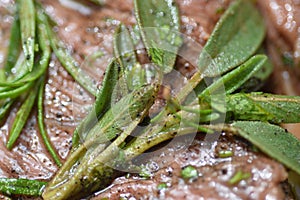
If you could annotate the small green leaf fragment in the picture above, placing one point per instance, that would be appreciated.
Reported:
(162, 186)
(189, 172)
(225, 153)
(145, 173)
(238, 176)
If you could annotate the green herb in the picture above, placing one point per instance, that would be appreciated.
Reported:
(26, 12)
(99, 2)
(21, 187)
(14, 92)
(14, 44)
(40, 68)
(162, 186)
(258, 79)
(273, 140)
(108, 145)
(225, 154)
(42, 126)
(159, 24)
(101, 105)
(145, 173)
(124, 52)
(287, 59)
(238, 176)
(237, 35)
(189, 172)
(69, 62)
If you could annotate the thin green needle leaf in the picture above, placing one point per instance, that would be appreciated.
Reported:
(42, 126)
(101, 105)
(159, 24)
(21, 186)
(41, 66)
(272, 140)
(123, 47)
(69, 63)
(26, 12)
(21, 117)
(14, 92)
(237, 36)
(263, 107)
(14, 44)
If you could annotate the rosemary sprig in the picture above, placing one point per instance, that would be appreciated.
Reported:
(31, 26)
(26, 12)
(108, 144)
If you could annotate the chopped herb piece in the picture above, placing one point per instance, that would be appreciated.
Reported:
(189, 172)
(225, 153)
(162, 186)
(145, 173)
(238, 176)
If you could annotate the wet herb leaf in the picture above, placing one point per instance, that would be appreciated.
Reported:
(101, 105)
(133, 75)
(234, 79)
(272, 140)
(263, 107)
(237, 35)
(14, 44)
(21, 186)
(27, 21)
(159, 24)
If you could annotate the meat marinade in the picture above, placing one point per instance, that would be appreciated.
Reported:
(89, 28)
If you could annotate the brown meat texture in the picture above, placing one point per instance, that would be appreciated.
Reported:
(87, 29)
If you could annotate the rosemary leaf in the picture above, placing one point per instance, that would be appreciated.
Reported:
(27, 21)
(21, 118)
(159, 24)
(42, 126)
(273, 140)
(237, 35)
(69, 63)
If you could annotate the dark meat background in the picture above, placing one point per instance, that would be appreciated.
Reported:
(66, 103)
